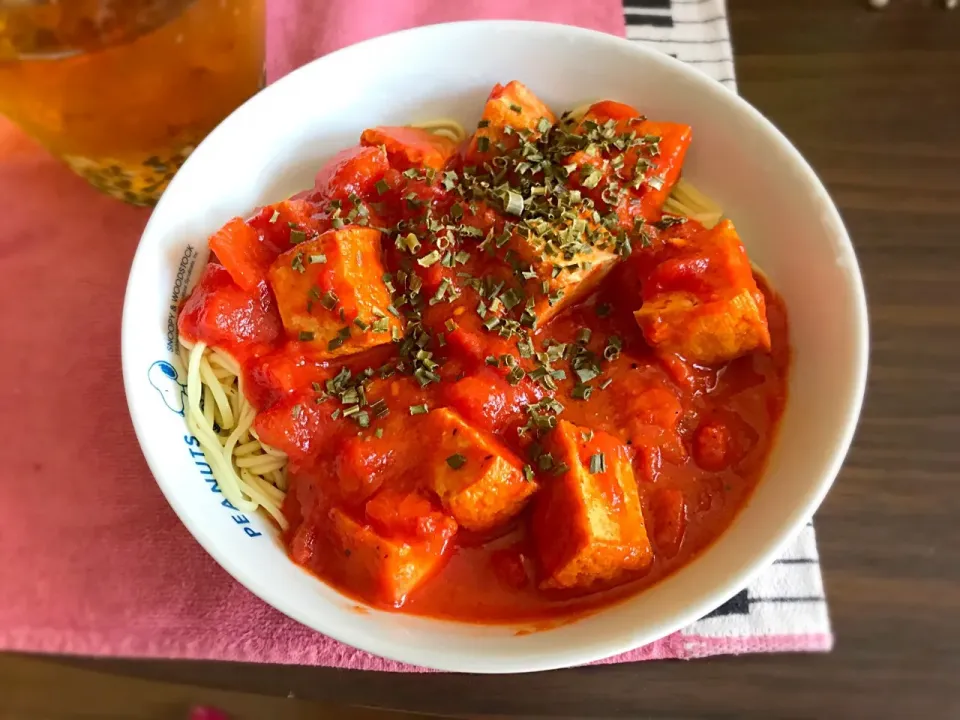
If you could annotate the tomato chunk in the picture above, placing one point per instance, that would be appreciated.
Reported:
(221, 314)
(409, 147)
(511, 106)
(239, 248)
(276, 224)
(298, 426)
(354, 171)
(489, 402)
(649, 166)
(669, 521)
(408, 515)
(722, 440)
(510, 568)
(282, 372)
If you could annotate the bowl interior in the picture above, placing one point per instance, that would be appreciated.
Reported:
(272, 146)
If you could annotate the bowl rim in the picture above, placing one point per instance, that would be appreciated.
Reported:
(583, 653)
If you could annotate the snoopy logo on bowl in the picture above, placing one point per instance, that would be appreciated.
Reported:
(165, 377)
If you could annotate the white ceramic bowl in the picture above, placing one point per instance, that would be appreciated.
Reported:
(272, 146)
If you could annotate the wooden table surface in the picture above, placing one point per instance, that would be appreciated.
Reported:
(873, 101)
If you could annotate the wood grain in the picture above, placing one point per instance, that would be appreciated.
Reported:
(873, 101)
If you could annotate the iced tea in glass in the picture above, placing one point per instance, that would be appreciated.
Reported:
(123, 90)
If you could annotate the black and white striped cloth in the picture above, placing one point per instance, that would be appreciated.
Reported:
(784, 609)
(695, 31)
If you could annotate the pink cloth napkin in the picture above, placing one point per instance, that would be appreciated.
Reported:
(95, 561)
(301, 30)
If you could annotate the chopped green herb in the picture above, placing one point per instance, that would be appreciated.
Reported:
(382, 187)
(297, 263)
(545, 461)
(598, 463)
(612, 350)
(429, 259)
(380, 409)
(378, 432)
(305, 336)
(329, 299)
(669, 221)
(297, 237)
(513, 203)
(275, 216)
(295, 411)
(342, 335)
(456, 461)
(587, 373)
(590, 176)
(318, 258)
(419, 409)
(515, 375)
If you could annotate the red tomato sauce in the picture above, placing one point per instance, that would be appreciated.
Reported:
(427, 470)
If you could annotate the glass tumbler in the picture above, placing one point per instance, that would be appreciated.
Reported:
(123, 90)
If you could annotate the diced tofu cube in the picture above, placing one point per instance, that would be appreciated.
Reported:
(409, 147)
(703, 303)
(478, 480)
(331, 293)
(570, 269)
(383, 569)
(511, 106)
(708, 332)
(588, 525)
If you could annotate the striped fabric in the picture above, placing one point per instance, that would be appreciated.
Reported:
(784, 609)
(695, 31)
